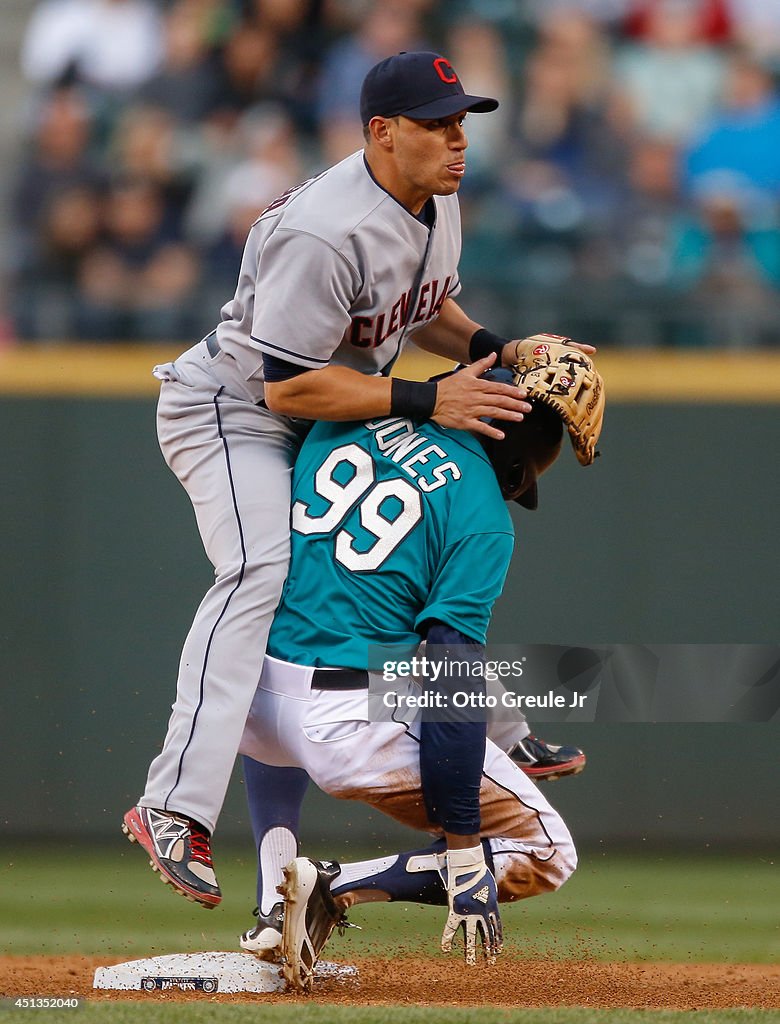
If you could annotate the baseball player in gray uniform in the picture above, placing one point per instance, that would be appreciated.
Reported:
(337, 275)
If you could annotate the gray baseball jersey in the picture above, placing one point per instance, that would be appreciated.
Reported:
(336, 270)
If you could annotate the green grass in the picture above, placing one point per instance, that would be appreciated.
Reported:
(107, 902)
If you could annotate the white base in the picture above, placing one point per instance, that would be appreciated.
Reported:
(205, 972)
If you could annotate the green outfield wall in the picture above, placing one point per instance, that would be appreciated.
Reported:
(671, 537)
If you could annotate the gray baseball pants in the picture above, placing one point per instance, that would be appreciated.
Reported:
(234, 458)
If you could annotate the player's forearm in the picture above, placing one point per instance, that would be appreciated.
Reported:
(333, 393)
(456, 842)
(449, 334)
(452, 748)
(451, 760)
(452, 336)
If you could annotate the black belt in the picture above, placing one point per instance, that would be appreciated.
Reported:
(339, 679)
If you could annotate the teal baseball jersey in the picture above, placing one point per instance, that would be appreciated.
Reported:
(392, 525)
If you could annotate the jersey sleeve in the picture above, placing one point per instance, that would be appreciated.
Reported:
(452, 751)
(469, 579)
(305, 290)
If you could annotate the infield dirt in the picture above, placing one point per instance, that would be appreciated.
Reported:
(422, 982)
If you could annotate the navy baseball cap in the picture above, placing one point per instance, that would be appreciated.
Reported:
(419, 85)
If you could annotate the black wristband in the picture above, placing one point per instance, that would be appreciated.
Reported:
(483, 342)
(411, 398)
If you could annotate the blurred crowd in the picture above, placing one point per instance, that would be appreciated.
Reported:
(634, 162)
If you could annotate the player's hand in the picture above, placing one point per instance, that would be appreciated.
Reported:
(472, 899)
(509, 351)
(463, 400)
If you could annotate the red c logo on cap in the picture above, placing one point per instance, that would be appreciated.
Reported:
(442, 66)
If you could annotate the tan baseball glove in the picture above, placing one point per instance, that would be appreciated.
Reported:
(566, 380)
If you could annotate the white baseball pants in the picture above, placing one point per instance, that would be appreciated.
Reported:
(328, 734)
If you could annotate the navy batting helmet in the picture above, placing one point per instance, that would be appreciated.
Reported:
(528, 449)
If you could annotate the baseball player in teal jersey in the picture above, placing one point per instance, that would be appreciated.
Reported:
(399, 532)
(382, 521)
(336, 276)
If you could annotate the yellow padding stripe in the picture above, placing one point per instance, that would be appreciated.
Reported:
(652, 376)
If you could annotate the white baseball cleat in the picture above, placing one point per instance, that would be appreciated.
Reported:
(265, 938)
(310, 915)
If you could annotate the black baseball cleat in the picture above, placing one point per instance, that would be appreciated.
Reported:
(180, 850)
(265, 938)
(541, 760)
(310, 915)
